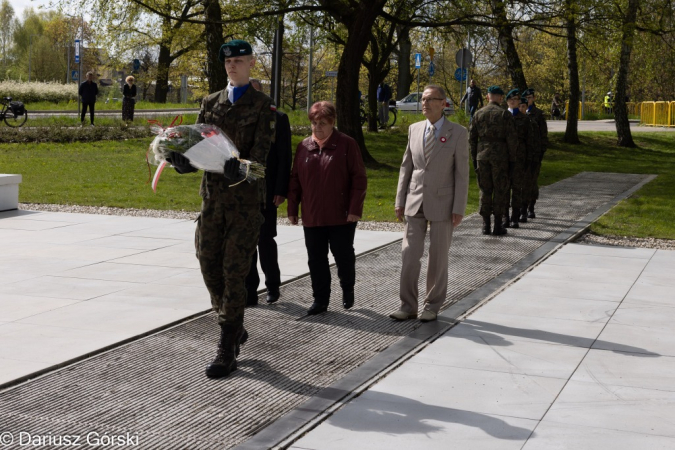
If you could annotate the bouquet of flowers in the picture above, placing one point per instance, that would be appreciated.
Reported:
(205, 146)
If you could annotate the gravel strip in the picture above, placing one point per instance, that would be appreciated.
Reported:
(625, 241)
(172, 214)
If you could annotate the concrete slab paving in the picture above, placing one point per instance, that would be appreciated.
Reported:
(594, 372)
(104, 279)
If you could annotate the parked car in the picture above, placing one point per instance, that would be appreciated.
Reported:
(411, 103)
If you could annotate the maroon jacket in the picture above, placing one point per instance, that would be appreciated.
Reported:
(330, 182)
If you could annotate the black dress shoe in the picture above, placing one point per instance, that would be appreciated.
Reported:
(252, 301)
(272, 296)
(348, 299)
(317, 308)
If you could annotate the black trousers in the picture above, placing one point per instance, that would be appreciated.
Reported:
(91, 111)
(269, 256)
(340, 240)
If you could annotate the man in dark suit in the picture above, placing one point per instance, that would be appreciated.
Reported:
(278, 170)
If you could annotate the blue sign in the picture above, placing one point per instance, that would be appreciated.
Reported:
(432, 69)
(74, 74)
(77, 51)
(418, 60)
(136, 65)
(460, 74)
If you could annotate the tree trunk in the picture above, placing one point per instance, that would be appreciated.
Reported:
(373, 106)
(162, 80)
(625, 138)
(571, 131)
(215, 71)
(405, 75)
(505, 32)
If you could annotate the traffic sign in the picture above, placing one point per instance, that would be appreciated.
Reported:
(136, 65)
(331, 73)
(77, 51)
(460, 74)
(432, 68)
(463, 57)
(74, 74)
(418, 60)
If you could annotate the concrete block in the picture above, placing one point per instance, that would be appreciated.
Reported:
(9, 191)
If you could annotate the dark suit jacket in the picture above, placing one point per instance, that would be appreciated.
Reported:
(279, 161)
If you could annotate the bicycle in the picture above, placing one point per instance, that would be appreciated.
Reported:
(13, 113)
(391, 116)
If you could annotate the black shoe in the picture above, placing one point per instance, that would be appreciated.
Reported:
(272, 296)
(487, 225)
(317, 308)
(348, 299)
(505, 222)
(531, 214)
(252, 301)
(523, 215)
(514, 218)
(499, 230)
(231, 337)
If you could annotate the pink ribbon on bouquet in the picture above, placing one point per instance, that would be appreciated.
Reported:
(163, 164)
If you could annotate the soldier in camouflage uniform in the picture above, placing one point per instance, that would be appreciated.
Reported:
(538, 116)
(230, 219)
(493, 142)
(525, 131)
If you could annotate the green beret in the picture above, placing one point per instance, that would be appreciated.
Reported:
(495, 90)
(513, 93)
(233, 48)
(528, 91)
(523, 101)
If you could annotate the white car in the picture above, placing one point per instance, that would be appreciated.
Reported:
(411, 103)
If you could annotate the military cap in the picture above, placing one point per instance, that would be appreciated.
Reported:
(233, 48)
(528, 91)
(495, 90)
(523, 101)
(513, 93)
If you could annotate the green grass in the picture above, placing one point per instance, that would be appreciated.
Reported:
(102, 105)
(99, 120)
(115, 174)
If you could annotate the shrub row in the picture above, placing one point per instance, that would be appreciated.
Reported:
(38, 92)
(66, 135)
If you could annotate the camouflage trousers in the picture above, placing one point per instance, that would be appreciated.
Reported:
(225, 239)
(532, 181)
(493, 181)
(519, 186)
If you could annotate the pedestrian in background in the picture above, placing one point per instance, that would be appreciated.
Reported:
(277, 175)
(433, 187)
(555, 107)
(88, 92)
(493, 141)
(328, 181)
(474, 96)
(129, 99)
(383, 97)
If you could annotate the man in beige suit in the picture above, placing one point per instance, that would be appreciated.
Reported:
(433, 186)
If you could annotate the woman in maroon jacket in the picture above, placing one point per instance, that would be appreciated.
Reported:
(329, 180)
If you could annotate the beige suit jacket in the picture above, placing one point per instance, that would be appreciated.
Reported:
(442, 182)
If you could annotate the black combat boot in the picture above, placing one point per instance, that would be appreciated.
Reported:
(499, 230)
(348, 298)
(228, 347)
(505, 221)
(487, 225)
(530, 208)
(514, 218)
(523, 215)
(272, 296)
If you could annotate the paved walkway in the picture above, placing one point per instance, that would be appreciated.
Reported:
(71, 284)
(578, 354)
(602, 125)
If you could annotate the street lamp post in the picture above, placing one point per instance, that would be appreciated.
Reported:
(30, 52)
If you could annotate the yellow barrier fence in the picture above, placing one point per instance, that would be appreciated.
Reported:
(657, 114)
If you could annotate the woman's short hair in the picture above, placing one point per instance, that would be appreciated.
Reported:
(90, 73)
(322, 110)
(130, 78)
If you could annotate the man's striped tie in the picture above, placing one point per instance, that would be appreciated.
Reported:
(429, 142)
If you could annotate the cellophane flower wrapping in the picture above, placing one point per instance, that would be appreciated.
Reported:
(206, 146)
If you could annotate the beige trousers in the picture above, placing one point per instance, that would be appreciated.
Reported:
(440, 235)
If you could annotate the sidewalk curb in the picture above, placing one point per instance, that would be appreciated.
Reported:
(283, 432)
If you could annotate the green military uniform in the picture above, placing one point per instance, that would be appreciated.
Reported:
(538, 117)
(493, 142)
(527, 142)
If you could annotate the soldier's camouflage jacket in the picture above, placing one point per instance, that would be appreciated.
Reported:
(528, 142)
(538, 116)
(492, 134)
(249, 123)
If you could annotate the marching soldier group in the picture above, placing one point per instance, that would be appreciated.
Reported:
(507, 147)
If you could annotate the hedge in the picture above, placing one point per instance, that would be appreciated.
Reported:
(71, 134)
(38, 92)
